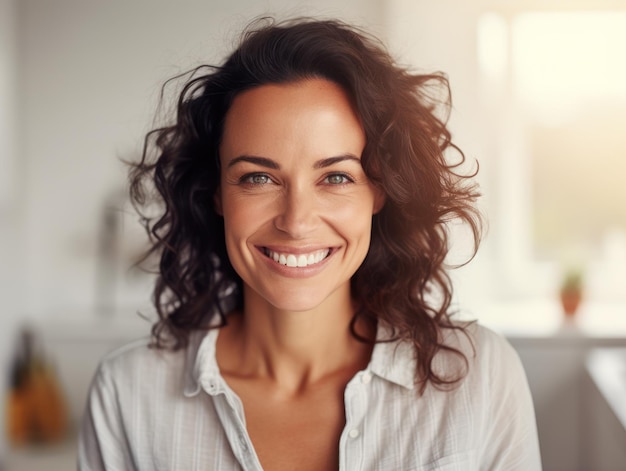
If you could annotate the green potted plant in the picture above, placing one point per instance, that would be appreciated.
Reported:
(571, 291)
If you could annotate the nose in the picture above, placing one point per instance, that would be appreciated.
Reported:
(298, 215)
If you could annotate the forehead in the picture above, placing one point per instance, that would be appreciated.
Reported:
(313, 115)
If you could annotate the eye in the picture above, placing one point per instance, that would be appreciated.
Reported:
(338, 179)
(255, 179)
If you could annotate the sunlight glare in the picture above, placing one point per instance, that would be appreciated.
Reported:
(564, 60)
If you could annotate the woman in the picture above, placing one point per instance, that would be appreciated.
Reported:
(304, 309)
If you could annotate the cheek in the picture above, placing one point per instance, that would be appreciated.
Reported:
(243, 214)
(236, 233)
(354, 221)
(244, 218)
(236, 228)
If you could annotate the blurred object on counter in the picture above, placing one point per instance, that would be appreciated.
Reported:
(571, 291)
(35, 407)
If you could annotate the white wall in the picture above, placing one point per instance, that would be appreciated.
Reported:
(9, 195)
(441, 36)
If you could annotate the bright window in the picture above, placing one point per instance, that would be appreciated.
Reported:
(555, 85)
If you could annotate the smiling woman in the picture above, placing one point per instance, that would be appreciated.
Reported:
(304, 305)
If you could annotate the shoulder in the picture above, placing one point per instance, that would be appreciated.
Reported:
(494, 355)
(489, 409)
(497, 389)
(129, 355)
(487, 340)
(469, 355)
(482, 358)
(480, 345)
(137, 363)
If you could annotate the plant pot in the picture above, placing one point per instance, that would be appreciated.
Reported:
(570, 300)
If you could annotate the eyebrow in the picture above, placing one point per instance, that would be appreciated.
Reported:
(333, 160)
(269, 163)
(261, 161)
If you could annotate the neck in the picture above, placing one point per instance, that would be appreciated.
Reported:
(294, 349)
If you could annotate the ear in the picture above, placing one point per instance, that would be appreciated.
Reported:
(379, 200)
(217, 201)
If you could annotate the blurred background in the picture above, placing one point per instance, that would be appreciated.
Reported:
(539, 95)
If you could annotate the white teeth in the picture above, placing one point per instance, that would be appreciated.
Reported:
(302, 260)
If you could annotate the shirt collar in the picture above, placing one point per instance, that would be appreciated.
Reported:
(200, 360)
(392, 360)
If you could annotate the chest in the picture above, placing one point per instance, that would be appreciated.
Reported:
(302, 436)
(300, 432)
(369, 426)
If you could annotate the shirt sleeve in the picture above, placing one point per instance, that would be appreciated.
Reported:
(512, 443)
(102, 443)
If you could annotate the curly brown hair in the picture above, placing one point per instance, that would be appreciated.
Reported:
(403, 280)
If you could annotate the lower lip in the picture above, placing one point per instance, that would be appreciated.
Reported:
(296, 272)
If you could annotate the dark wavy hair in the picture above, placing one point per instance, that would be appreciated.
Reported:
(403, 280)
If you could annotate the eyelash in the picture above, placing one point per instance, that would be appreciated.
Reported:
(248, 179)
(346, 179)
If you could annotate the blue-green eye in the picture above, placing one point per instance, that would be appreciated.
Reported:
(337, 179)
(255, 179)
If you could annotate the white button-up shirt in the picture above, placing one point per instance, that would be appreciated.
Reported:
(153, 409)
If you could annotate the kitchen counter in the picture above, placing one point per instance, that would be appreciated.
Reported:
(604, 434)
(607, 369)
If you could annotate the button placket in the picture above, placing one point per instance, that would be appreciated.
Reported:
(243, 441)
(248, 459)
(231, 415)
(358, 399)
(356, 405)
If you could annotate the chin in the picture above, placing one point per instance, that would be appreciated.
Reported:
(292, 299)
(302, 304)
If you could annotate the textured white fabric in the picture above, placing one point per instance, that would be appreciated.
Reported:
(157, 410)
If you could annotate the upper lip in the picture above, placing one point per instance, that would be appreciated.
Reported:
(295, 250)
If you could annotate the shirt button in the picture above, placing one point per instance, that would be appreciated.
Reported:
(353, 433)
(366, 377)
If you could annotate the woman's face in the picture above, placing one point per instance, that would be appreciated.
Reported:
(296, 202)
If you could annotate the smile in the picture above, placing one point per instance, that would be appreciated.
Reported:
(299, 260)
